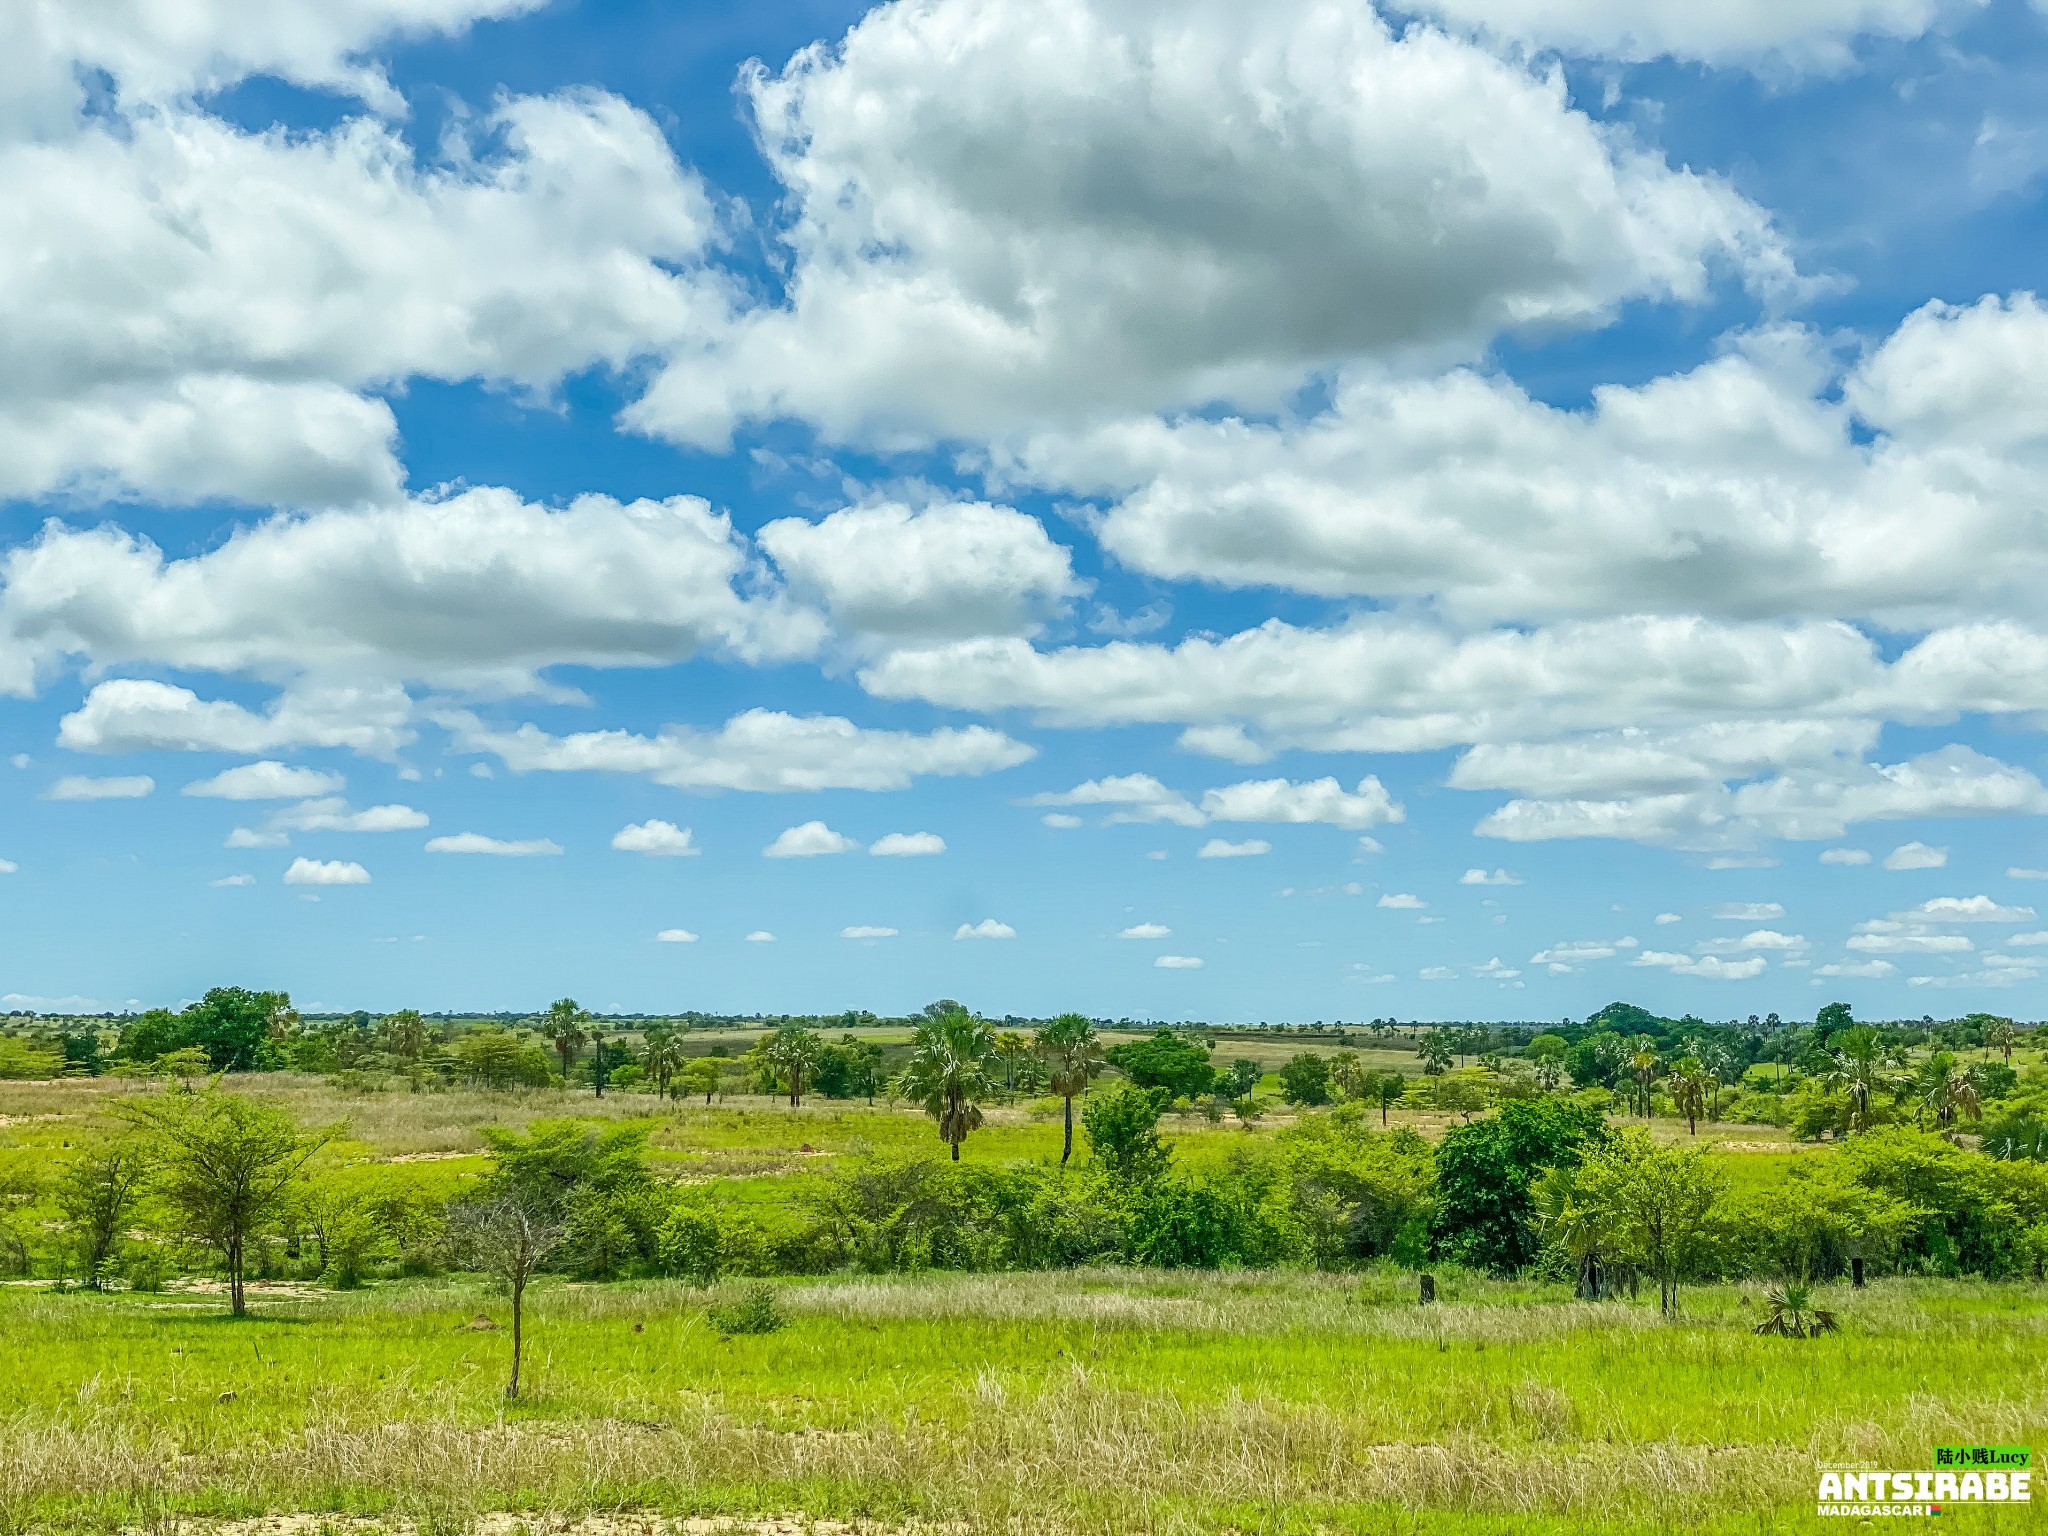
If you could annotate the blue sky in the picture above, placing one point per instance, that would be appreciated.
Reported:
(1271, 512)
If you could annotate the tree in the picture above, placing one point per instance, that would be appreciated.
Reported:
(405, 1034)
(1122, 1126)
(1244, 1075)
(1165, 1060)
(223, 1164)
(1948, 1090)
(1011, 1048)
(232, 1025)
(794, 1052)
(1485, 1215)
(1856, 1067)
(1072, 1053)
(507, 1235)
(1385, 1089)
(1435, 1052)
(700, 1075)
(2001, 1035)
(97, 1194)
(1655, 1204)
(1642, 1064)
(664, 1059)
(1830, 1021)
(565, 1024)
(1347, 1074)
(948, 1072)
(1306, 1079)
(1689, 1092)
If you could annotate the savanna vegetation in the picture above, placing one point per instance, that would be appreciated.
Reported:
(1041, 1275)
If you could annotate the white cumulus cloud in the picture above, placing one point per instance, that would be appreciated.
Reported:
(809, 841)
(267, 781)
(476, 842)
(987, 928)
(663, 839)
(907, 845)
(326, 872)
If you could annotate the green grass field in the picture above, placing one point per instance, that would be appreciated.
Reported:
(1103, 1401)
(1094, 1401)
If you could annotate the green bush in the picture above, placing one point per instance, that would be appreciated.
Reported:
(754, 1311)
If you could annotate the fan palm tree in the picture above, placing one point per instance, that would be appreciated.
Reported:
(1072, 1053)
(664, 1059)
(1793, 1314)
(1947, 1091)
(565, 1023)
(1011, 1048)
(2002, 1036)
(795, 1052)
(1435, 1052)
(1688, 1082)
(949, 1072)
(1856, 1067)
(1642, 1062)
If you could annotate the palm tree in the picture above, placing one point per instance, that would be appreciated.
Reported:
(1715, 1057)
(1435, 1052)
(1793, 1314)
(664, 1059)
(564, 1023)
(2002, 1035)
(1856, 1066)
(1011, 1048)
(949, 1071)
(1387, 1088)
(1643, 1062)
(1689, 1092)
(795, 1050)
(1947, 1090)
(1073, 1054)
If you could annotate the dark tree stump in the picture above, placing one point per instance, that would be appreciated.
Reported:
(1427, 1290)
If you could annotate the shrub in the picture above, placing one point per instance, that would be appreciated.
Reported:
(754, 1311)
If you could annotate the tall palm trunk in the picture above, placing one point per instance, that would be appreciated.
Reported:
(1067, 1146)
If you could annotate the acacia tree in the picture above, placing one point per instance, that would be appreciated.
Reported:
(949, 1072)
(1073, 1054)
(97, 1194)
(565, 1023)
(507, 1234)
(223, 1165)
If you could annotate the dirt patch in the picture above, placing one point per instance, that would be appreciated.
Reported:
(7, 1120)
(428, 1157)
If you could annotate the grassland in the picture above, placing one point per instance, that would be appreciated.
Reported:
(1092, 1401)
(1084, 1402)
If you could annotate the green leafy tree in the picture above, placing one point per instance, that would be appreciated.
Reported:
(1073, 1054)
(1165, 1060)
(1435, 1050)
(222, 1165)
(1485, 1214)
(1244, 1075)
(1121, 1123)
(98, 1194)
(1655, 1204)
(949, 1073)
(700, 1075)
(233, 1026)
(1306, 1079)
(1385, 1089)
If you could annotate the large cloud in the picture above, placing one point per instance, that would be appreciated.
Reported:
(1763, 483)
(477, 585)
(1011, 211)
(932, 573)
(760, 750)
(190, 311)
(139, 715)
